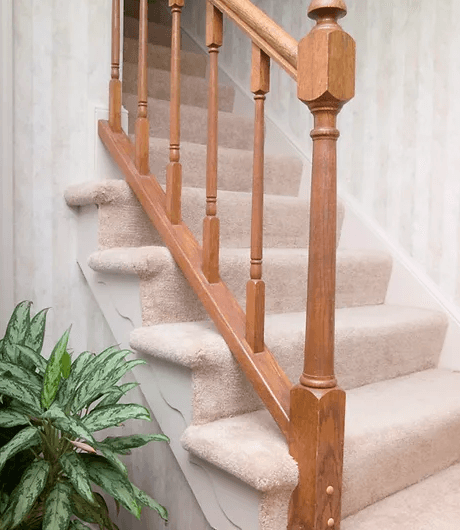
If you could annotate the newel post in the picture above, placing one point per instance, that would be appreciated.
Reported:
(326, 74)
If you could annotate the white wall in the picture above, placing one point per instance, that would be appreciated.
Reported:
(399, 155)
(61, 54)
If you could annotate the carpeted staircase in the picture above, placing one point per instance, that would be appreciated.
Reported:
(403, 414)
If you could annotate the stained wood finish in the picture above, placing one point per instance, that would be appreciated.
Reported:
(174, 168)
(262, 369)
(211, 223)
(263, 31)
(142, 129)
(115, 83)
(255, 288)
(326, 73)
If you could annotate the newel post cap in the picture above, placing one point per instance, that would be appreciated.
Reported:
(317, 7)
(326, 60)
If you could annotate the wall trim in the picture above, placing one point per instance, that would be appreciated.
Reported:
(6, 163)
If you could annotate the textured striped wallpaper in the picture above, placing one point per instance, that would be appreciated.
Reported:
(399, 154)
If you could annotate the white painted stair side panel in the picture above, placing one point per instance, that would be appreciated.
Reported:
(227, 503)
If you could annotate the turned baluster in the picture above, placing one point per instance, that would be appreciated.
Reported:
(211, 225)
(115, 83)
(142, 121)
(326, 66)
(255, 288)
(174, 168)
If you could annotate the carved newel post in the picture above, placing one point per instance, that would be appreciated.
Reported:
(326, 73)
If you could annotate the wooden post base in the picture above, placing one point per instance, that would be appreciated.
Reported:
(316, 443)
(255, 314)
(173, 192)
(142, 131)
(115, 105)
(211, 231)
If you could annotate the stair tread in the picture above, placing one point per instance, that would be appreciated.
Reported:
(194, 90)
(396, 433)
(234, 131)
(158, 56)
(157, 340)
(432, 504)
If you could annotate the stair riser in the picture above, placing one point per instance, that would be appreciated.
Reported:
(235, 132)
(157, 11)
(395, 351)
(160, 57)
(194, 90)
(159, 34)
(126, 225)
(167, 297)
(281, 174)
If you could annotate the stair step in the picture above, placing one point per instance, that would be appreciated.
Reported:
(372, 343)
(157, 11)
(194, 90)
(192, 64)
(432, 504)
(123, 223)
(234, 131)
(397, 432)
(282, 174)
(158, 34)
(361, 279)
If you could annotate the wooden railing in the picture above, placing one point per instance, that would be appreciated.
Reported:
(310, 414)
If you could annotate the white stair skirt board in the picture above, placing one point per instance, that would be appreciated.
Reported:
(226, 502)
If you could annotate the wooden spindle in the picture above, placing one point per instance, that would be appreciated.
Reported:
(115, 83)
(142, 121)
(174, 168)
(255, 288)
(214, 28)
(326, 73)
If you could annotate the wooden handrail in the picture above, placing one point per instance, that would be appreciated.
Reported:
(269, 36)
(311, 414)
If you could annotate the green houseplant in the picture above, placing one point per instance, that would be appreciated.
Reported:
(50, 410)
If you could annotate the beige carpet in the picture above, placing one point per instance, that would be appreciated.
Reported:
(403, 414)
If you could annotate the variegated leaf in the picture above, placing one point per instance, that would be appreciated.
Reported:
(120, 444)
(113, 482)
(22, 374)
(26, 438)
(66, 363)
(69, 424)
(12, 418)
(68, 388)
(146, 500)
(78, 525)
(18, 324)
(36, 332)
(33, 357)
(53, 371)
(113, 459)
(27, 491)
(10, 387)
(76, 471)
(113, 415)
(4, 499)
(116, 393)
(58, 508)
(95, 384)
